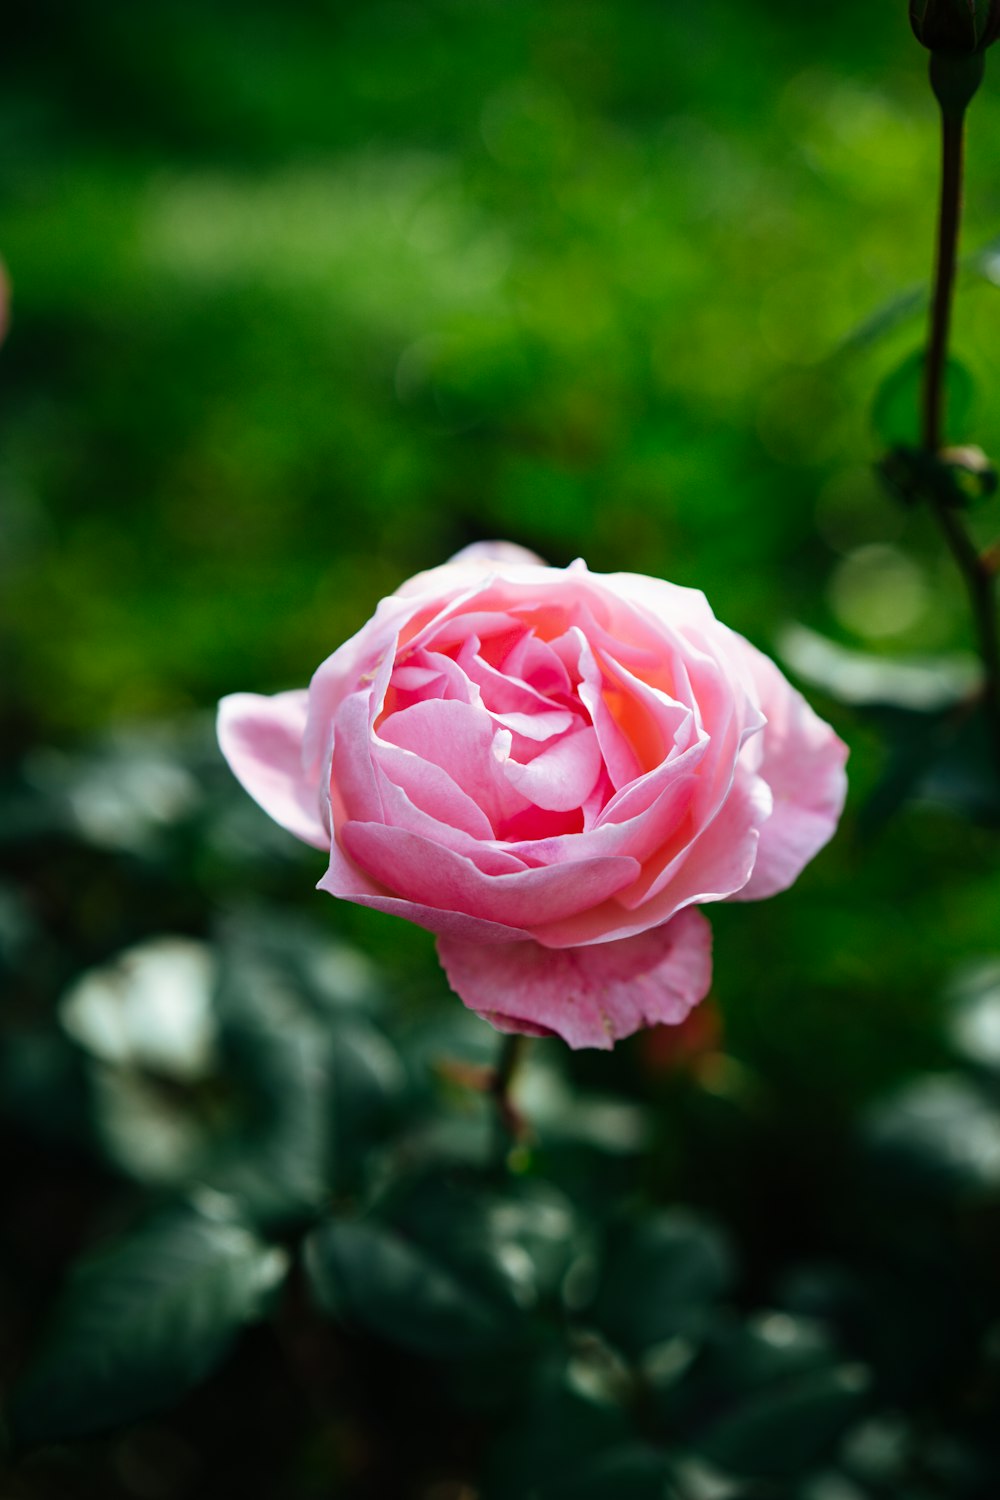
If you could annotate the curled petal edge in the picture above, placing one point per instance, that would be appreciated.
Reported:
(590, 997)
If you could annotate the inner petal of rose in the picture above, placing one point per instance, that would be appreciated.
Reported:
(569, 716)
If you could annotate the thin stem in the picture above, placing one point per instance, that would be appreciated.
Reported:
(949, 223)
(976, 570)
(512, 1052)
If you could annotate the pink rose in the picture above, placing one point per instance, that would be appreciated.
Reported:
(553, 770)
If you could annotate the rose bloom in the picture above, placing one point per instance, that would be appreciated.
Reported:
(553, 770)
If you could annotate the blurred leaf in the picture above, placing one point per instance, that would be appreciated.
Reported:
(18, 928)
(567, 1424)
(897, 408)
(663, 1271)
(142, 1322)
(632, 1471)
(328, 975)
(940, 1131)
(947, 758)
(122, 795)
(878, 1450)
(770, 1346)
(921, 685)
(368, 1080)
(733, 1361)
(369, 1274)
(467, 1263)
(782, 1429)
(974, 1014)
(157, 1134)
(516, 1242)
(42, 1085)
(885, 319)
(276, 1158)
(965, 774)
(562, 1114)
(151, 1008)
(831, 1484)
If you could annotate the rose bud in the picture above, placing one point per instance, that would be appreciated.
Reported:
(554, 770)
(955, 26)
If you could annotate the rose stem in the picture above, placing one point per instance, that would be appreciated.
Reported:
(976, 570)
(511, 1055)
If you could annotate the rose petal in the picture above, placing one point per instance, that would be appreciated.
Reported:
(803, 762)
(591, 997)
(406, 864)
(563, 776)
(261, 738)
(464, 742)
(712, 866)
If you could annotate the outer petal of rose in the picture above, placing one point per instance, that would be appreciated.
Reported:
(802, 761)
(261, 739)
(472, 562)
(591, 997)
(716, 864)
(345, 880)
(421, 870)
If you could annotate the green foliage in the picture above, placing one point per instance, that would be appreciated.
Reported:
(141, 1323)
(304, 298)
(292, 1109)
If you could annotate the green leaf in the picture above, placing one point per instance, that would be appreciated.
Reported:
(277, 1155)
(631, 1471)
(974, 1015)
(367, 1084)
(662, 1273)
(897, 408)
(885, 319)
(368, 1273)
(919, 684)
(571, 1419)
(941, 1131)
(455, 1270)
(142, 1322)
(787, 1427)
(516, 1243)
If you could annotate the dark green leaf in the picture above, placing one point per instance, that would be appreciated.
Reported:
(941, 1131)
(516, 1243)
(786, 1427)
(142, 1322)
(974, 1014)
(663, 1271)
(945, 758)
(890, 316)
(369, 1274)
(632, 1471)
(573, 1416)
(368, 1081)
(896, 413)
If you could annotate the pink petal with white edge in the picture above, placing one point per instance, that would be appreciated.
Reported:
(591, 997)
(261, 738)
(802, 760)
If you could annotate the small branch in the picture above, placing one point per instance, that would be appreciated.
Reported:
(949, 222)
(515, 1045)
(978, 572)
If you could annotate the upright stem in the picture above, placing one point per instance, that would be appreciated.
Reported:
(511, 1054)
(976, 570)
(949, 223)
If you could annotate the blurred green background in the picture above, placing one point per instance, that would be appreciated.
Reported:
(307, 296)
